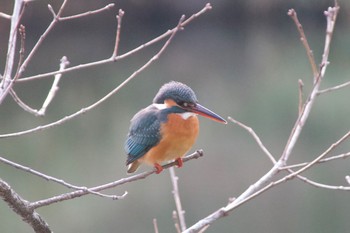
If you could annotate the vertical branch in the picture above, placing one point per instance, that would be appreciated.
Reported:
(301, 85)
(180, 211)
(15, 18)
(117, 37)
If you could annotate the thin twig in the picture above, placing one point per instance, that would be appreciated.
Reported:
(122, 56)
(79, 193)
(333, 88)
(155, 225)
(5, 16)
(117, 36)
(54, 88)
(50, 96)
(53, 179)
(103, 99)
(176, 193)
(289, 168)
(300, 105)
(21, 103)
(303, 39)
(341, 156)
(107, 7)
(256, 137)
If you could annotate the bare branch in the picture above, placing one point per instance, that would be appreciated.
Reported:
(264, 183)
(301, 85)
(107, 7)
(7, 80)
(256, 137)
(50, 178)
(117, 37)
(5, 16)
(20, 103)
(8, 86)
(303, 39)
(333, 88)
(79, 193)
(155, 225)
(54, 88)
(176, 193)
(22, 208)
(341, 156)
(103, 99)
(112, 59)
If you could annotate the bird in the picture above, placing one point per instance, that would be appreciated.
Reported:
(167, 129)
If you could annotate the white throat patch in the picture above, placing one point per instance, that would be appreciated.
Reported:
(160, 106)
(186, 115)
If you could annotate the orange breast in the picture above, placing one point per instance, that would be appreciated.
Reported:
(178, 136)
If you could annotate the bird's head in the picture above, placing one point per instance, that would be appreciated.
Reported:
(180, 95)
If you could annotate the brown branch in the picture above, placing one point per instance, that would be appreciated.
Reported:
(88, 13)
(117, 37)
(79, 193)
(23, 208)
(300, 105)
(303, 39)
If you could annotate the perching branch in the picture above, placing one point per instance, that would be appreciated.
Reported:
(79, 193)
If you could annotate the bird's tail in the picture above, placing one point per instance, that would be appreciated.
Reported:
(132, 167)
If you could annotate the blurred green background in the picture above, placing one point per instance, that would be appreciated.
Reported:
(243, 59)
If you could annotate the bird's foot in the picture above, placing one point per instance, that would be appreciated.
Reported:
(158, 168)
(179, 161)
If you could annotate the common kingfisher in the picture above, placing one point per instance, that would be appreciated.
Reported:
(167, 129)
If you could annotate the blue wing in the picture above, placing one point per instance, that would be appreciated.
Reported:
(144, 133)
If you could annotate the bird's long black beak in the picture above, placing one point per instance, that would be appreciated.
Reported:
(203, 111)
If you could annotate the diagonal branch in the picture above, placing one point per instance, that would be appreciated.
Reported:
(103, 99)
(122, 56)
(22, 208)
(79, 193)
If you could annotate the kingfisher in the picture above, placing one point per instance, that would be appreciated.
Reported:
(166, 129)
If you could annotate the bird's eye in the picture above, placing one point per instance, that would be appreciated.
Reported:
(185, 104)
